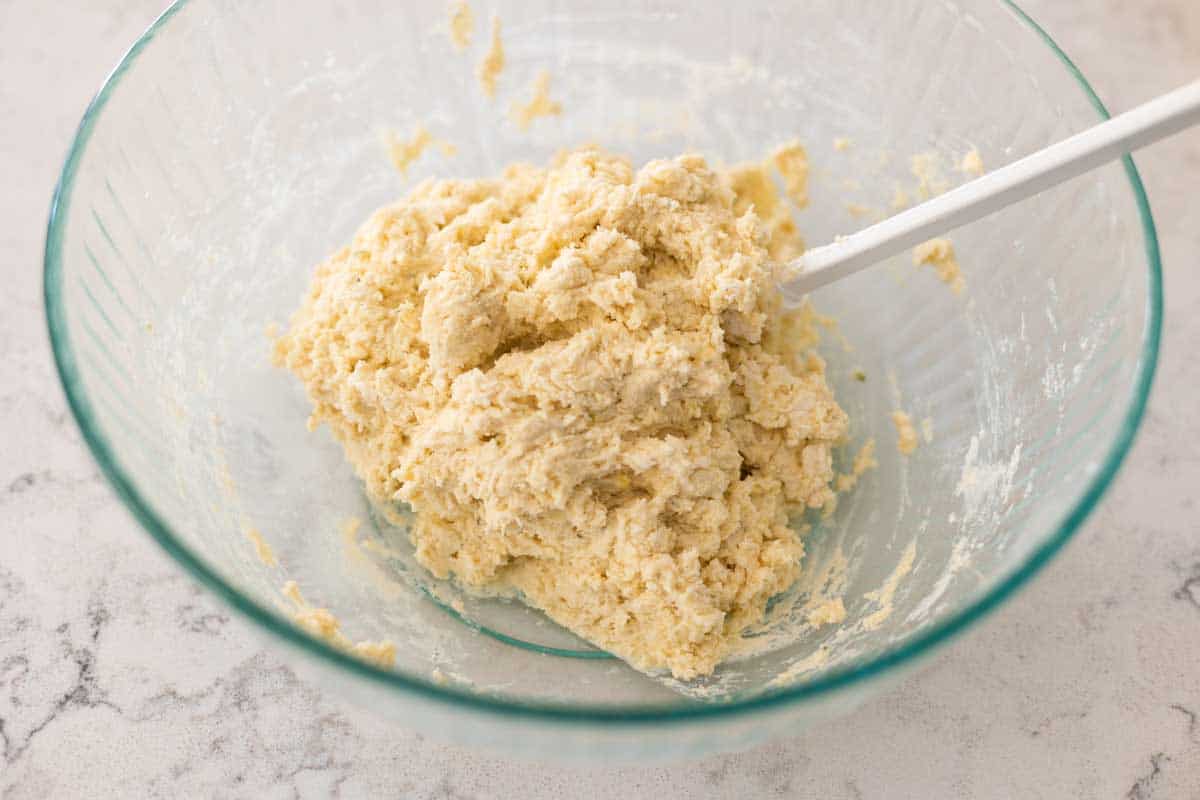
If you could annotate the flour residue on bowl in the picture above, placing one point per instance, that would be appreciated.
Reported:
(828, 605)
(810, 663)
(984, 486)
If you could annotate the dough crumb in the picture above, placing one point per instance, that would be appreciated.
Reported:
(939, 254)
(846, 481)
(439, 677)
(540, 105)
(320, 623)
(900, 200)
(842, 144)
(863, 461)
(261, 549)
(791, 162)
(381, 654)
(859, 210)
(462, 24)
(926, 167)
(971, 163)
(927, 429)
(404, 152)
(831, 612)
(492, 65)
(907, 440)
(581, 380)
(818, 658)
(884, 596)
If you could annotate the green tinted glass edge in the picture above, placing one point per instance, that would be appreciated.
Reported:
(919, 645)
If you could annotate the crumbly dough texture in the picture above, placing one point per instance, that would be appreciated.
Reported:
(939, 254)
(906, 433)
(580, 379)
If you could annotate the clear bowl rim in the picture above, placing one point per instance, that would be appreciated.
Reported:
(857, 673)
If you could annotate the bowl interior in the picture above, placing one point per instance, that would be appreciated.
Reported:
(241, 145)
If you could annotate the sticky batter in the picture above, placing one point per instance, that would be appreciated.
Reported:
(580, 379)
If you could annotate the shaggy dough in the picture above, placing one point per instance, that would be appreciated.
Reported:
(581, 381)
(754, 190)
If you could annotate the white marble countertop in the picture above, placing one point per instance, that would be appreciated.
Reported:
(120, 677)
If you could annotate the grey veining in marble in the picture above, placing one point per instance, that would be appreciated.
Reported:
(120, 677)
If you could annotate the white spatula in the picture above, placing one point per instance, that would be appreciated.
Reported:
(1159, 118)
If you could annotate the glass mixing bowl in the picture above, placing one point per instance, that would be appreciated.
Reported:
(237, 145)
